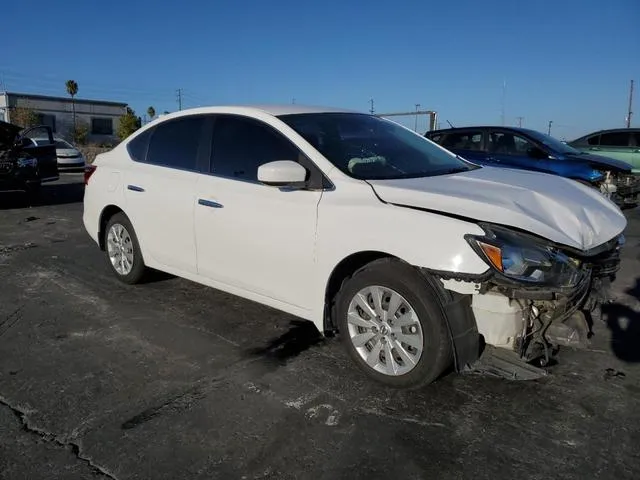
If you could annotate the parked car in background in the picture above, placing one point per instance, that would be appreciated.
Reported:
(25, 164)
(620, 143)
(522, 148)
(414, 256)
(69, 157)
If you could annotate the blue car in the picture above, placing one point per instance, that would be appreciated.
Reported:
(522, 148)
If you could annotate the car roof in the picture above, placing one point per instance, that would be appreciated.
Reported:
(471, 127)
(612, 130)
(271, 109)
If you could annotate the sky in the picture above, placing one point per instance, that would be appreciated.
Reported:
(568, 61)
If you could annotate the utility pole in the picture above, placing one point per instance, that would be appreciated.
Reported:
(630, 104)
(293, 101)
(502, 106)
(549, 131)
(520, 121)
(179, 92)
(371, 110)
(415, 129)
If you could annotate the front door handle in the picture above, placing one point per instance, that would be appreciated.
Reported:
(209, 203)
(135, 188)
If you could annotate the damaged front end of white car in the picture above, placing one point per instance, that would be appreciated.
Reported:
(537, 296)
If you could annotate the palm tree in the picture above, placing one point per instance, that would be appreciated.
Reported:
(151, 112)
(72, 89)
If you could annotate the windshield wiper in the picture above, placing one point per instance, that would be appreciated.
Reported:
(452, 170)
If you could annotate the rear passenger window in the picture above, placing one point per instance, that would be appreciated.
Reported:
(241, 145)
(595, 140)
(463, 141)
(175, 143)
(137, 147)
(615, 139)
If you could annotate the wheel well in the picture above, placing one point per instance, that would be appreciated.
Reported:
(106, 215)
(341, 272)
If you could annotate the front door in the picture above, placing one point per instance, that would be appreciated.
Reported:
(38, 143)
(509, 150)
(252, 236)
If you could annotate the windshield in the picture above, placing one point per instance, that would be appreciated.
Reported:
(63, 145)
(371, 148)
(553, 143)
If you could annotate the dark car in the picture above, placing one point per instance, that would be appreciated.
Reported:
(522, 148)
(25, 164)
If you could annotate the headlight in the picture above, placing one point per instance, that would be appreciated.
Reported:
(526, 259)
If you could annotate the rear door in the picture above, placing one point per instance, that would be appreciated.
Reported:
(44, 150)
(468, 143)
(160, 188)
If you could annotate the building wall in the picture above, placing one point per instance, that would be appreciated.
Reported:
(102, 119)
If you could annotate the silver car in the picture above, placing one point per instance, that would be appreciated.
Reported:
(69, 157)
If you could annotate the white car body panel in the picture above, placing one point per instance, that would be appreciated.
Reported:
(163, 213)
(257, 238)
(280, 247)
(550, 206)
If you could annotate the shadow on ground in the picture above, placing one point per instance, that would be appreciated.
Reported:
(53, 194)
(301, 336)
(624, 323)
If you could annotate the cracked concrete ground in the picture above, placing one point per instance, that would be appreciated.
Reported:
(173, 380)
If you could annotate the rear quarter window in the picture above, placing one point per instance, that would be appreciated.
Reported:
(139, 145)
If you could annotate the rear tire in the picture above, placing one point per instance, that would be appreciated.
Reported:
(122, 250)
(406, 324)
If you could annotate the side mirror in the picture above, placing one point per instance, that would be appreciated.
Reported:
(538, 153)
(282, 173)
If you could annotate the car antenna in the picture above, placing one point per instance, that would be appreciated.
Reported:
(450, 124)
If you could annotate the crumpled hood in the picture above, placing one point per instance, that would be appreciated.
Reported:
(601, 162)
(550, 206)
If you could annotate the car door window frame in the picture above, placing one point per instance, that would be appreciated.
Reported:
(612, 134)
(514, 134)
(317, 179)
(468, 132)
(204, 144)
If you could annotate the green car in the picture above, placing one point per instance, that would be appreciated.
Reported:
(619, 143)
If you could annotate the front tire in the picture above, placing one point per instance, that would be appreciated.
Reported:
(123, 250)
(392, 325)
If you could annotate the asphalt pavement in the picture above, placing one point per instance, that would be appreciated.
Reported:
(173, 380)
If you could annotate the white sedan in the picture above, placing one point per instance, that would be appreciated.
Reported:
(417, 258)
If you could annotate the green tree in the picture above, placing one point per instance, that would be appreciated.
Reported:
(151, 112)
(80, 133)
(129, 123)
(24, 117)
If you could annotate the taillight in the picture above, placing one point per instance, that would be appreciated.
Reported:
(88, 171)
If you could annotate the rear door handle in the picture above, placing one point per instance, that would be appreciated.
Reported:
(135, 188)
(209, 203)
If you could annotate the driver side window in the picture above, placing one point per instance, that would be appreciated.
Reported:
(507, 143)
